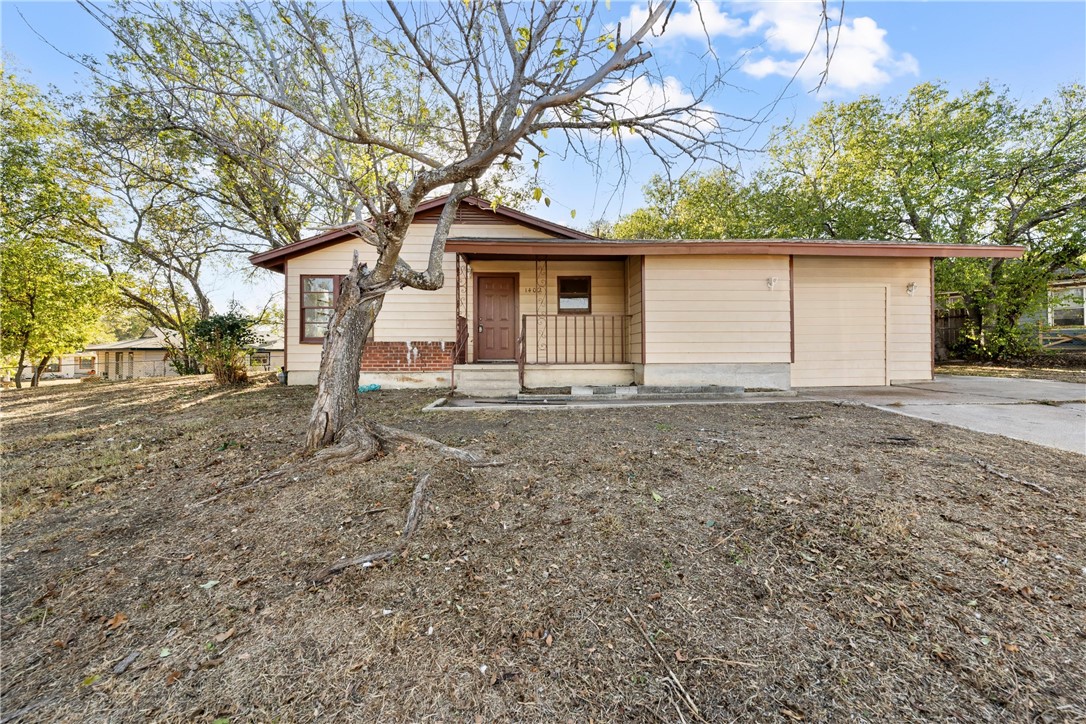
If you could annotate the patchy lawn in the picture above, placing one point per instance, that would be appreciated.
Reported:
(788, 562)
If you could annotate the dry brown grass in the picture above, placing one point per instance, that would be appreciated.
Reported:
(1056, 366)
(853, 565)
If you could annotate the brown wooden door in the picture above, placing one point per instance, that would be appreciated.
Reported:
(495, 318)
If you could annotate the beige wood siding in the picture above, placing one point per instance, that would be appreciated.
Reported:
(408, 315)
(716, 309)
(140, 363)
(849, 311)
(571, 335)
(840, 335)
(635, 305)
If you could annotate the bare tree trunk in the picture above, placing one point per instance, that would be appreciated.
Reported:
(336, 403)
(38, 370)
(19, 369)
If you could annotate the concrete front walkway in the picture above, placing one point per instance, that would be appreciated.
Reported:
(1039, 411)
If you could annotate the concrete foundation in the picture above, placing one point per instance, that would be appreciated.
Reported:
(772, 376)
(537, 376)
(387, 380)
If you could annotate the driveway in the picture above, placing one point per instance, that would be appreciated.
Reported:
(1039, 411)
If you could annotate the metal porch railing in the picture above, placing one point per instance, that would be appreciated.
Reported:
(574, 339)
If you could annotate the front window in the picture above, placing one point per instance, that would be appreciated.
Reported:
(319, 296)
(86, 363)
(1066, 308)
(574, 295)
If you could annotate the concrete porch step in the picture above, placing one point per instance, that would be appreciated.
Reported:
(488, 380)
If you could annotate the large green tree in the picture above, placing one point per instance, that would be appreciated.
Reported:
(50, 301)
(976, 168)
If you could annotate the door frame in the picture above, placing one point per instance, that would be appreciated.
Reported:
(515, 276)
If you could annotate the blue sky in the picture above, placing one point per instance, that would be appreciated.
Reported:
(885, 48)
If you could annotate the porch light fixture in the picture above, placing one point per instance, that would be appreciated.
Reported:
(910, 288)
(771, 282)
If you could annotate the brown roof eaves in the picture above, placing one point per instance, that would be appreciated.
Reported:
(655, 247)
(275, 259)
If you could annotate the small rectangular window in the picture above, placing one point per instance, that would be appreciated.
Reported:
(86, 363)
(319, 296)
(574, 295)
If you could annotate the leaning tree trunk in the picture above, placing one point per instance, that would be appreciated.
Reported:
(19, 368)
(336, 403)
(39, 370)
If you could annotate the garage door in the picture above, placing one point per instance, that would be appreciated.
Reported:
(840, 336)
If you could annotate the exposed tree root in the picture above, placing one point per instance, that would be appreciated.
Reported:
(363, 440)
(388, 435)
(1006, 476)
(354, 444)
(360, 442)
(414, 518)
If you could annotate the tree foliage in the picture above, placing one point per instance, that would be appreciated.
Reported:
(929, 167)
(50, 302)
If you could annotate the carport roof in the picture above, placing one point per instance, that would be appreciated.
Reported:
(671, 247)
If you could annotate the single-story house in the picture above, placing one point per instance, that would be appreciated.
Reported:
(529, 303)
(147, 355)
(1065, 313)
(267, 355)
(66, 366)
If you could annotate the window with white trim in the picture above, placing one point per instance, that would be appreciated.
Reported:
(319, 295)
(1066, 309)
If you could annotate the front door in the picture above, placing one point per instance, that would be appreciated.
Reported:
(495, 317)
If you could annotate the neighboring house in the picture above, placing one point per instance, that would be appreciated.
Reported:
(1065, 301)
(1065, 315)
(146, 356)
(66, 366)
(529, 303)
(267, 354)
(76, 364)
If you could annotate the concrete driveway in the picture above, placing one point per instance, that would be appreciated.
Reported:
(1039, 411)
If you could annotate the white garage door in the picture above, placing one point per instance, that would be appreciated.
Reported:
(840, 335)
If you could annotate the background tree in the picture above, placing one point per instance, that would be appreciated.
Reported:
(159, 233)
(386, 109)
(706, 206)
(978, 168)
(50, 302)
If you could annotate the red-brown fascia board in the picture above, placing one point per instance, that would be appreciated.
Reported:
(275, 259)
(730, 246)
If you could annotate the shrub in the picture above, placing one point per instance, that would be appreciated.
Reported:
(221, 342)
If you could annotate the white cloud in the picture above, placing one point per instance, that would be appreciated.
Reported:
(697, 20)
(862, 59)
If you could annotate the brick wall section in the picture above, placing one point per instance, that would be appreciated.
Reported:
(407, 357)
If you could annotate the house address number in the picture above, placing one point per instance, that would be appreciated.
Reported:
(533, 290)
